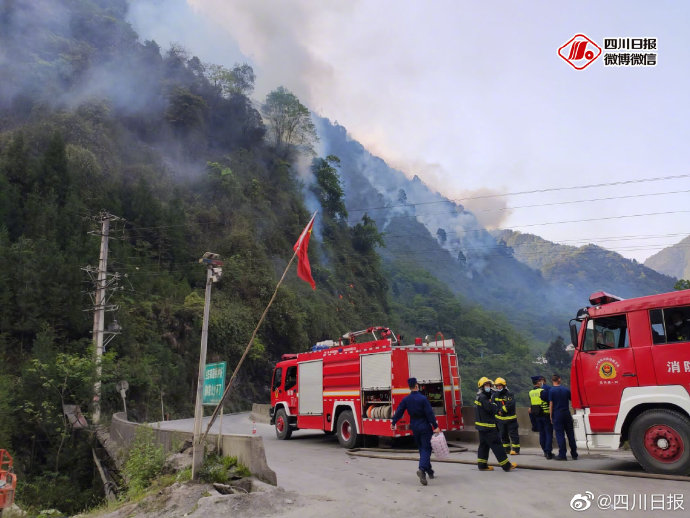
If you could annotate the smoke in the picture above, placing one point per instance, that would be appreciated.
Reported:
(456, 229)
(278, 37)
(489, 206)
(60, 55)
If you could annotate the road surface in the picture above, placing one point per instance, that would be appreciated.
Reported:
(335, 484)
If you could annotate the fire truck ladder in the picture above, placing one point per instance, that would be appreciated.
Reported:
(454, 377)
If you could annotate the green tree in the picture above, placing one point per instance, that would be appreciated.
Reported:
(239, 80)
(682, 284)
(186, 111)
(557, 356)
(328, 189)
(366, 236)
(289, 120)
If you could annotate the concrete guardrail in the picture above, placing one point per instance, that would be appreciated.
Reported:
(249, 449)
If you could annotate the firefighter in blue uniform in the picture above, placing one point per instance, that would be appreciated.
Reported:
(562, 420)
(506, 420)
(485, 411)
(422, 420)
(539, 409)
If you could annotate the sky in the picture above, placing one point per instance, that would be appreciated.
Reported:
(474, 99)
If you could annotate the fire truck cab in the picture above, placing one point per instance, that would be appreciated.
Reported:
(630, 378)
(352, 386)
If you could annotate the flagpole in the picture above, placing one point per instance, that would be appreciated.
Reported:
(251, 340)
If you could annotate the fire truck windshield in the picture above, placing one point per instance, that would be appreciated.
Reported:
(606, 333)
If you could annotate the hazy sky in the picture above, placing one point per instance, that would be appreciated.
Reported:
(473, 98)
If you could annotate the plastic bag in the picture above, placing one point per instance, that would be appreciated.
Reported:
(439, 446)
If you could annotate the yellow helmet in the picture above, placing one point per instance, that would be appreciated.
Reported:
(482, 381)
(500, 381)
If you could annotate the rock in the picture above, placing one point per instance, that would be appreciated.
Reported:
(177, 462)
(244, 484)
(224, 489)
(13, 512)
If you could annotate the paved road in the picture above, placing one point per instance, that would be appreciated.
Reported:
(338, 485)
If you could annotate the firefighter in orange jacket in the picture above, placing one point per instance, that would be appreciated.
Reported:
(485, 421)
(506, 419)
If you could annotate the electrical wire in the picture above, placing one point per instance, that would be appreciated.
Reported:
(534, 191)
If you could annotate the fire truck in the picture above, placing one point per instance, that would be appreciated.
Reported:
(352, 386)
(8, 481)
(630, 378)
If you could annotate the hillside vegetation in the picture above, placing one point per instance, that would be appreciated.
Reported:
(580, 271)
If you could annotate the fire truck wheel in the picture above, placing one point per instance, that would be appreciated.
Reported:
(283, 430)
(346, 430)
(660, 440)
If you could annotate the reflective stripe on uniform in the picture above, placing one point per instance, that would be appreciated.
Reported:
(485, 461)
(503, 462)
(487, 425)
(536, 400)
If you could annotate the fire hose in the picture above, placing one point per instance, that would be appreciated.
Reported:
(370, 452)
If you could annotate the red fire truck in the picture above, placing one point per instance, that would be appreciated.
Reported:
(631, 378)
(8, 481)
(352, 386)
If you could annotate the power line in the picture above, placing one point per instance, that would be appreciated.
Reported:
(535, 191)
(527, 225)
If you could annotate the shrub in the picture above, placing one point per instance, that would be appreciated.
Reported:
(144, 460)
(219, 469)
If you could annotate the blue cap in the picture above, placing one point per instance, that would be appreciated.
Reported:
(411, 382)
(536, 378)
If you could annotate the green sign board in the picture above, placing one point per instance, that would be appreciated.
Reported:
(214, 383)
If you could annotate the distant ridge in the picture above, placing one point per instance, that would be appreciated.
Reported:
(673, 261)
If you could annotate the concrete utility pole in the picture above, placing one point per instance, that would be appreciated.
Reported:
(213, 273)
(99, 307)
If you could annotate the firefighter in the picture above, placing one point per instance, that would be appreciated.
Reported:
(422, 420)
(561, 418)
(506, 419)
(539, 409)
(485, 411)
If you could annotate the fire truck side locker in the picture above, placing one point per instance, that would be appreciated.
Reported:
(426, 367)
(310, 394)
(376, 376)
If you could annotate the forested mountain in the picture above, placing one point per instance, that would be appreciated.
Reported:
(93, 119)
(424, 229)
(673, 260)
(580, 271)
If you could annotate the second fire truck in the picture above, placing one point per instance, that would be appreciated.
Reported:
(630, 378)
(352, 386)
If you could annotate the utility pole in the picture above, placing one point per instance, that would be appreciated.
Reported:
(213, 273)
(100, 279)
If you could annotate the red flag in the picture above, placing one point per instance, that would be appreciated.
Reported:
(301, 247)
